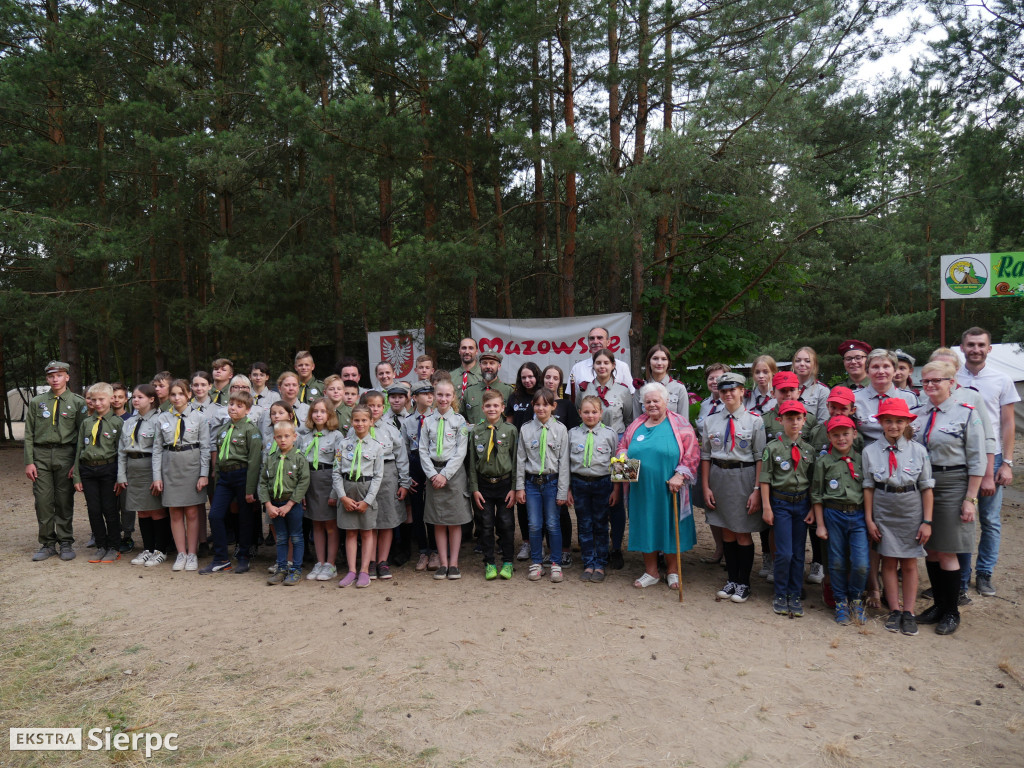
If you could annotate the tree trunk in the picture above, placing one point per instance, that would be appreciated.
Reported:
(567, 282)
(636, 329)
(661, 229)
(539, 207)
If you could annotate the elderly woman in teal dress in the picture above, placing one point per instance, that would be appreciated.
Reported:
(669, 455)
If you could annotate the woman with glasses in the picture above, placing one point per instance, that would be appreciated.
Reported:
(953, 433)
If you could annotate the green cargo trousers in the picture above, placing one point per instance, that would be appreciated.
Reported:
(54, 494)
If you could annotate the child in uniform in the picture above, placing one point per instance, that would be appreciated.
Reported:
(95, 473)
(898, 508)
(592, 493)
(424, 367)
(412, 430)
(237, 445)
(223, 370)
(761, 397)
(135, 477)
(282, 486)
(394, 485)
(162, 384)
(840, 402)
(542, 479)
(349, 398)
(785, 479)
(319, 446)
(358, 473)
(262, 395)
(181, 468)
(119, 407)
(732, 442)
(787, 387)
(812, 393)
(492, 468)
(837, 496)
(309, 388)
(443, 444)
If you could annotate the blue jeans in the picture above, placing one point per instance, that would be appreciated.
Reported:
(790, 538)
(230, 487)
(989, 508)
(542, 513)
(848, 559)
(288, 528)
(591, 500)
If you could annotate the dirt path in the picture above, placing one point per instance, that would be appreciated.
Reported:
(483, 673)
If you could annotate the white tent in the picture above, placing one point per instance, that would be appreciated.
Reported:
(16, 401)
(1008, 359)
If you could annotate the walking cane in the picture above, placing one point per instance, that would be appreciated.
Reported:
(679, 555)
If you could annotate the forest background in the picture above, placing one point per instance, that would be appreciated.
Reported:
(181, 180)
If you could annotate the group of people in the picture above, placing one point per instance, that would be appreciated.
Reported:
(879, 474)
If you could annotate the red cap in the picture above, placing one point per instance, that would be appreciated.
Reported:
(785, 380)
(893, 406)
(851, 344)
(840, 421)
(841, 395)
(792, 406)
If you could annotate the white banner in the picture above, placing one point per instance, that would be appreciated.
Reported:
(560, 341)
(400, 348)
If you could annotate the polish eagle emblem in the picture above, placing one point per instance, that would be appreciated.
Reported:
(398, 351)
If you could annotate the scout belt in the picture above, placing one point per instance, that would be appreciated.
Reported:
(957, 468)
(896, 488)
(731, 464)
(789, 496)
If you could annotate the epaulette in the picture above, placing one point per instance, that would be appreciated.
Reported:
(967, 405)
(583, 386)
(637, 383)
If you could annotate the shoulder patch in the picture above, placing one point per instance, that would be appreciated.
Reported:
(967, 405)
(583, 386)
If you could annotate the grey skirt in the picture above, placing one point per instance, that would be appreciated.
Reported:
(390, 510)
(949, 532)
(448, 505)
(356, 521)
(732, 488)
(316, 507)
(898, 517)
(139, 473)
(180, 470)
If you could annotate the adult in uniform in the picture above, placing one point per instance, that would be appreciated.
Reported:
(51, 431)
(469, 372)
(881, 366)
(471, 400)
(855, 354)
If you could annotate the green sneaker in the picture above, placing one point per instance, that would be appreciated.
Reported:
(506, 571)
(491, 572)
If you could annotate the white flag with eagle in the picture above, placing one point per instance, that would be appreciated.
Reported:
(400, 348)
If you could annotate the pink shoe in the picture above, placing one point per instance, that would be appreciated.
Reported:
(350, 577)
(364, 580)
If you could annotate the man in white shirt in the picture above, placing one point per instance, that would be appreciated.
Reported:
(999, 395)
(584, 370)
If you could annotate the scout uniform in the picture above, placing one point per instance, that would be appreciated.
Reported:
(96, 471)
(135, 461)
(319, 449)
(492, 468)
(678, 400)
(220, 396)
(542, 463)
(443, 445)
(51, 429)
(814, 395)
(773, 425)
(358, 473)
(849, 346)
(708, 406)
(759, 403)
(897, 473)
(462, 378)
(265, 399)
(412, 429)
(266, 427)
(820, 443)
(786, 467)
(181, 456)
(310, 391)
(471, 401)
(837, 486)
(616, 399)
(344, 417)
(590, 455)
(391, 509)
(868, 400)
(237, 445)
(286, 478)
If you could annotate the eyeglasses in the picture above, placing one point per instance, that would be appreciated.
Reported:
(933, 382)
(854, 358)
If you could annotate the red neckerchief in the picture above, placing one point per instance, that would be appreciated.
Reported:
(849, 463)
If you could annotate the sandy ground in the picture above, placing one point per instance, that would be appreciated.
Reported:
(480, 673)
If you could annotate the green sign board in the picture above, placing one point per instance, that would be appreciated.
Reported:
(983, 275)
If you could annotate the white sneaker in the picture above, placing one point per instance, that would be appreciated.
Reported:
(142, 557)
(314, 572)
(191, 563)
(156, 558)
(272, 569)
(328, 573)
(556, 573)
(179, 562)
(524, 551)
(816, 573)
(536, 571)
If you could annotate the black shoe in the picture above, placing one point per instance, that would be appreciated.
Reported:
(893, 621)
(908, 624)
(928, 594)
(948, 624)
(615, 561)
(127, 545)
(242, 566)
(930, 616)
(91, 543)
(963, 599)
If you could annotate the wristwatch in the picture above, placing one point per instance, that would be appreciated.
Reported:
(972, 499)
(1008, 462)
